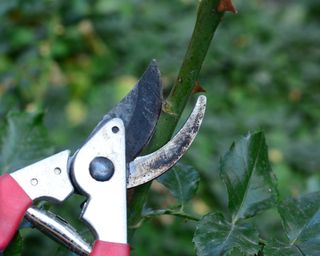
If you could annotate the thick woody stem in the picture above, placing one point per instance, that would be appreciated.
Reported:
(209, 16)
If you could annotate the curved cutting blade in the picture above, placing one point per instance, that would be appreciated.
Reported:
(149, 167)
(139, 111)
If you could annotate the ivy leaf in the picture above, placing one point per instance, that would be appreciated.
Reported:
(217, 236)
(280, 249)
(15, 246)
(24, 141)
(182, 181)
(246, 171)
(301, 221)
(236, 252)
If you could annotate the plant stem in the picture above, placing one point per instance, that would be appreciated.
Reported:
(177, 213)
(208, 19)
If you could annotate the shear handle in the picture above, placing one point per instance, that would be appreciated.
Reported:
(47, 179)
(14, 202)
(102, 248)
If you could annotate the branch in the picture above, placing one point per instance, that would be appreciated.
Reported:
(209, 16)
(177, 213)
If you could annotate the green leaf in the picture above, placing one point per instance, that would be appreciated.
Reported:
(15, 246)
(182, 181)
(280, 249)
(301, 221)
(24, 141)
(235, 252)
(217, 236)
(246, 171)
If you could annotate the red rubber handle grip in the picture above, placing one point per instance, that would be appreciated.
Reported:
(13, 204)
(102, 248)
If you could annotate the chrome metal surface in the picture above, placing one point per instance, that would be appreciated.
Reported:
(46, 179)
(106, 208)
(58, 229)
(149, 167)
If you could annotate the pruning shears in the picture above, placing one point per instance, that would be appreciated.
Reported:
(102, 170)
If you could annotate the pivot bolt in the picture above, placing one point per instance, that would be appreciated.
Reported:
(101, 168)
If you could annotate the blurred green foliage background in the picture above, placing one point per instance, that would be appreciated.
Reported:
(75, 59)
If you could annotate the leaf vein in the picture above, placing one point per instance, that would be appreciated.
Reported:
(249, 179)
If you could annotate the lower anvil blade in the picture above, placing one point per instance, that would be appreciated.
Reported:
(149, 167)
(139, 111)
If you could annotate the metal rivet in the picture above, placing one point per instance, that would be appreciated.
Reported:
(101, 168)
(34, 182)
(57, 170)
(115, 129)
